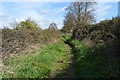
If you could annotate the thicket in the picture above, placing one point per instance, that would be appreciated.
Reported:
(27, 24)
(96, 49)
(45, 62)
(25, 36)
(99, 34)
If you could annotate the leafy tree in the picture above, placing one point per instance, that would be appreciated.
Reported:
(68, 23)
(28, 24)
(53, 26)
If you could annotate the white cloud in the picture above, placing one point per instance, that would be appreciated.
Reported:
(46, 22)
(102, 19)
(22, 11)
(61, 10)
(3, 19)
(19, 20)
(57, 0)
(45, 11)
(102, 10)
(59, 22)
(37, 0)
(0, 8)
(25, 7)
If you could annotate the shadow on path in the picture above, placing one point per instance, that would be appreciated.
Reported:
(69, 72)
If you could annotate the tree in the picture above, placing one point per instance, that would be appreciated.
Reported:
(14, 24)
(28, 24)
(68, 23)
(53, 26)
(82, 12)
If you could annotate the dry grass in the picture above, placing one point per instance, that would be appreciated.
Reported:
(25, 40)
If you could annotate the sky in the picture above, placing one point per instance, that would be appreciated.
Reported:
(45, 13)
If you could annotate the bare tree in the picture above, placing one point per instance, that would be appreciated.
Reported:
(14, 24)
(82, 12)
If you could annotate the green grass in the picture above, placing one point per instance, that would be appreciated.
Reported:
(93, 62)
(41, 63)
(51, 60)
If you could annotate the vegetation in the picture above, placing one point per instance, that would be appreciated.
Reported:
(95, 62)
(53, 26)
(28, 24)
(68, 23)
(32, 52)
(78, 13)
(23, 40)
(95, 46)
(47, 61)
(99, 34)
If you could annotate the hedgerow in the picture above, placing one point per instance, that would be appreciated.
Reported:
(20, 41)
(99, 34)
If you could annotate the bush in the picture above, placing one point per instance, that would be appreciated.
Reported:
(17, 41)
(101, 58)
(28, 24)
(101, 33)
(44, 62)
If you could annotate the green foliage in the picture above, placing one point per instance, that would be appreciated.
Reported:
(101, 33)
(66, 37)
(53, 26)
(40, 63)
(95, 62)
(68, 23)
(17, 41)
(81, 32)
(101, 59)
(28, 24)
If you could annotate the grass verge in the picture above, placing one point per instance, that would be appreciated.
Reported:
(94, 62)
(45, 62)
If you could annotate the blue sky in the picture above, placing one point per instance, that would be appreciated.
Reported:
(45, 13)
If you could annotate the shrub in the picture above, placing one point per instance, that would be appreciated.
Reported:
(17, 41)
(28, 24)
(101, 33)
(40, 63)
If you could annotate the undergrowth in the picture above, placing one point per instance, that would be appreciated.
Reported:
(42, 63)
(94, 62)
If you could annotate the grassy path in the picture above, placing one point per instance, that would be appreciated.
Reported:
(48, 61)
(69, 72)
(67, 58)
(93, 62)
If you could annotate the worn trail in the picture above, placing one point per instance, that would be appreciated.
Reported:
(69, 72)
